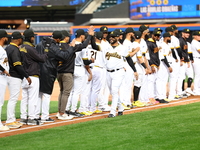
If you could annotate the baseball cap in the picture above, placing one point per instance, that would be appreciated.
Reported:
(3, 33)
(196, 33)
(99, 35)
(120, 31)
(169, 29)
(129, 30)
(57, 35)
(156, 32)
(104, 29)
(143, 28)
(174, 27)
(158, 29)
(114, 33)
(79, 32)
(29, 33)
(16, 35)
(186, 30)
(65, 33)
(137, 34)
(166, 34)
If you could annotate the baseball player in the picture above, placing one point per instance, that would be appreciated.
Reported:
(48, 71)
(97, 71)
(17, 73)
(79, 75)
(115, 71)
(189, 71)
(126, 87)
(196, 54)
(30, 93)
(138, 59)
(165, 69)
(177, 55)
(186, 68)
(154, 62)
(140, 89)
(88, 60)
(104, 92)
(4, 72)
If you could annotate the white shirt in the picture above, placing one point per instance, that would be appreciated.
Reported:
(3, 59)
(144, 48)
(195, 47)
(79, 56)
(139, 53)
(175, 43)
(115, 57)
(166, 51)
(99, 56)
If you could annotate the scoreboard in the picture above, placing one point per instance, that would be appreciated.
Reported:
(163, 9)
(19, 3)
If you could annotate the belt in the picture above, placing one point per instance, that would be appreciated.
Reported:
(35, 76)
(78, 65)
(197, 57)
(99, 67)
(114, 70)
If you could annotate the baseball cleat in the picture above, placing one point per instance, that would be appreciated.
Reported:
(12, 125)
(125, 107)
(188, 90)
(97, 111)
(4, 128)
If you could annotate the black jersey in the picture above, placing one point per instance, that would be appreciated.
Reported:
(184, 49)
(153, 53)
(15, 60)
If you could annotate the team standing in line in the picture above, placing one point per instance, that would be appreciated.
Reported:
(91, 68)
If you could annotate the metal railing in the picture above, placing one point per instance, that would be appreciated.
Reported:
(80, 9)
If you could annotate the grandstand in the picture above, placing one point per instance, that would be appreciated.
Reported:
(49, 15)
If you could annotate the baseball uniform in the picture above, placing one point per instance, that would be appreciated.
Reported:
(126, 87)
(3, 78)
(195, 50)
(30, 93)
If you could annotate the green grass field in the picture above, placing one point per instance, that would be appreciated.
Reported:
(172, 128)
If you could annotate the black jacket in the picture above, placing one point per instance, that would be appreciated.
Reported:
(66, 66)
(15, 60)
(48, 70)
(31, 59)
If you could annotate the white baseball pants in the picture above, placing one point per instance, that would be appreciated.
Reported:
(44, 101)
(79, 80)
(126, 87)
(196, 65)
(96, 84)
(30, 95)
(104, 91)
(84, 96)
(14, 85)
(161, 82)
(142, 82)
(3, 84)
(173, 78)
(114, 80)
